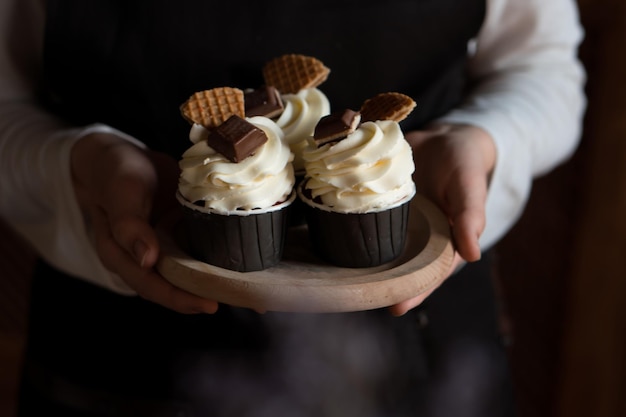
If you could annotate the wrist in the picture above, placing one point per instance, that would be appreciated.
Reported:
(92, 155)
(487, 147)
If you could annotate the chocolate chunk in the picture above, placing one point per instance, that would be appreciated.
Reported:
(236, 138)
(336, 126)
(264, 101)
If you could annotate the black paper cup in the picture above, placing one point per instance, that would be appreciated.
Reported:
(357, 240)
(241, 241)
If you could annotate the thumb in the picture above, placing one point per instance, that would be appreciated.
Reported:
(466, 208)
(135, 235)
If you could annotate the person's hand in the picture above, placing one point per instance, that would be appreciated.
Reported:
(453, 165)
(122, 190)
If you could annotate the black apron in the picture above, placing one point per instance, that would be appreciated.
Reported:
(130, 64)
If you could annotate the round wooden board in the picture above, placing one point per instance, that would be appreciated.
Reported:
(301, 282)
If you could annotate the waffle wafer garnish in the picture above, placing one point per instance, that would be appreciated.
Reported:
(211, 108)
(387, 106)
(294, 72)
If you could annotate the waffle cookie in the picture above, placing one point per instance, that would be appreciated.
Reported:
(293, 72)
(387, 106)
(211, 108)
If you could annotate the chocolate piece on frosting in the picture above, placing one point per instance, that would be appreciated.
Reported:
(264, 101)
(336, 126)
(236, 139)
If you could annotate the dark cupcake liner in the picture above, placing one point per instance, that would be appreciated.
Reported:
(243, 243)
(358, 240)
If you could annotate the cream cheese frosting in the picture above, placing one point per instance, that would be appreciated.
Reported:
(258, 182)
(301, 113)
(369, 170)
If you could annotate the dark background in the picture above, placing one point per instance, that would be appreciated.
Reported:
(561, 272)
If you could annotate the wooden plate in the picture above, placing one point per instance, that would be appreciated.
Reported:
(301, 282)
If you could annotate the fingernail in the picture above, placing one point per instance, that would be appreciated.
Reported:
(140, 250)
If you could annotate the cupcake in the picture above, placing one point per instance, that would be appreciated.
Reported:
(297, 78)
(358, 183)
(236, 183)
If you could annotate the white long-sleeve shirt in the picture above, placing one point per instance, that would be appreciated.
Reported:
(529, 97)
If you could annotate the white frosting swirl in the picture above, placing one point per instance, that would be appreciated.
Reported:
(258, 182)
(198, 133)
(299, 118)
(370, 170)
